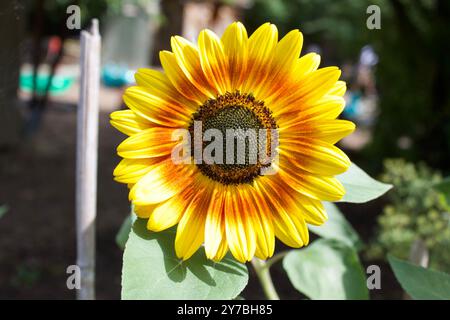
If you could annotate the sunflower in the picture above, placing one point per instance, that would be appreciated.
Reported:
(234, 82)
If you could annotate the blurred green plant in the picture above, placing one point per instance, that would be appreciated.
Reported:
(416, 212)
(3, 210)
(27, 275)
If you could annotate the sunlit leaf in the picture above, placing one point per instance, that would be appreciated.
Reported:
(360, 187)
(337, 227)
(327, 269)
(151, 270)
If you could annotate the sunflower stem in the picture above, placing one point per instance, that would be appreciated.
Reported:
(265, 279)
(275, 259)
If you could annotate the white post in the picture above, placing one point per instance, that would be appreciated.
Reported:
(86, 161)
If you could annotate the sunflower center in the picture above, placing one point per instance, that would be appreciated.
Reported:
(244, 125)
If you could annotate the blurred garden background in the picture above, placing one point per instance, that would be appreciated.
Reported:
(398, 79)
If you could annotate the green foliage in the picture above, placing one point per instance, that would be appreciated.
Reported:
(443, 188)
(3, 210)
(327, 269)
(415, 212)
(124, 231)
(421, 283)
(360, 187)
(151, 270)
(337, 228)
(26, 275)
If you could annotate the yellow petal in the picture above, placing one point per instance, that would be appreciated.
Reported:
(330, 131)
(261, 47)
(261, 217)
(314, 186)
(238, 226)
(179, 79)
(215, 222)
(319, 82)
(308, 90)
(131, 170)
(290, 228)
(288, 50)
(302, 68)
(313, 210)
(188, 59)
(190, 233)
(155, 108)
(128, 122)
(168, 214)
(235, 45)
(327, 108)
(213, 61)
(315, 156)
(338, 89)
(150, 143)
(144, 211)
(284, 60)
(158, 84)
(306, 65)
(162, 182)
(221, 251)
(289, 225)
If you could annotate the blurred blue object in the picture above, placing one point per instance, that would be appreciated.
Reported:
(351, 110)
(59, 85)
(117, 76)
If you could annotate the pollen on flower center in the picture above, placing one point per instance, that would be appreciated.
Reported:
(246, 117)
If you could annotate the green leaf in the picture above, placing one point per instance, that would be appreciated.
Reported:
(360, 187)
(3, 210)
(124, 232)
(421, 283)
(151, 270)
(443, 187)
(337, 227)
(125, 229)
(327, 269)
